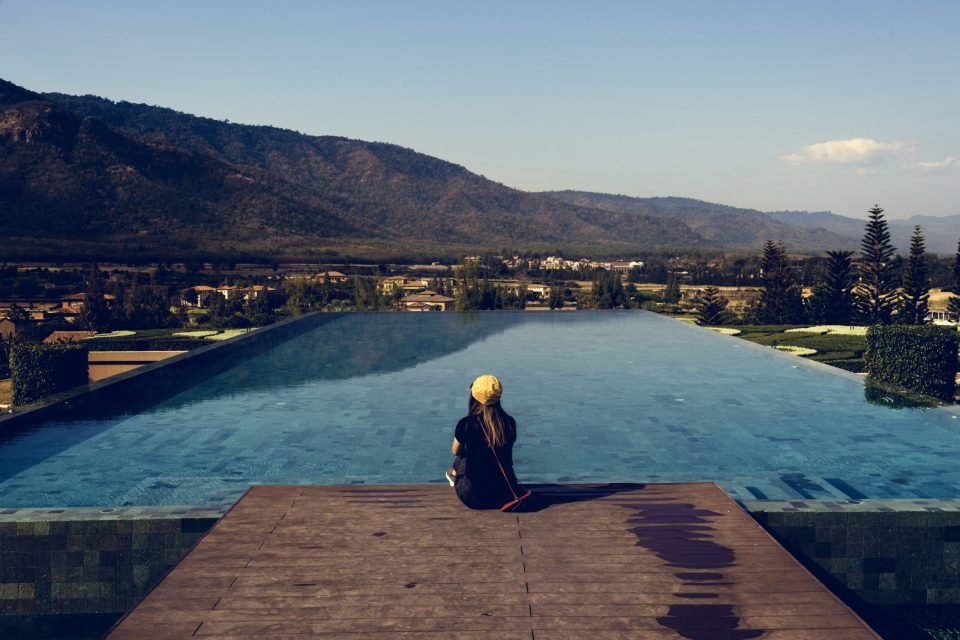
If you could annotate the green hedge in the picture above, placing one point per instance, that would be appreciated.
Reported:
(853, 365)
(922, 359)
(133, 344)
(39, 370)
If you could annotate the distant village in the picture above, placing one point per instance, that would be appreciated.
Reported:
(58, 296)
(415, 287)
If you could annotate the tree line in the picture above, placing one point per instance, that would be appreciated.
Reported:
(878, 288)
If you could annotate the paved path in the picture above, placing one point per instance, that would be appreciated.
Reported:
(396, 562)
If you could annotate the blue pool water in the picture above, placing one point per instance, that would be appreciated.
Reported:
(369, 398)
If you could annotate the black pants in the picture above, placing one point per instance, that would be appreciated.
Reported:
(488, 491)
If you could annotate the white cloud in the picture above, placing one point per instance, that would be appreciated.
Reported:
(854, 151)
(936, 166)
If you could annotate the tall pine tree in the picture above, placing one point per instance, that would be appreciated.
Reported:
(832, 299)
(781, 301)
(671, 293)
(916, 283)
(875, 294)
(96, 313)
(711, 307)
(607, 291)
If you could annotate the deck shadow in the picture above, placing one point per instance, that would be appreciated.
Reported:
(547, 495)
(683, 536)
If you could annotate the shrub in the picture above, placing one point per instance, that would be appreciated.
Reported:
(39, 370)
(853, 365)
(4, 360)
(922, 359)
(115, 344)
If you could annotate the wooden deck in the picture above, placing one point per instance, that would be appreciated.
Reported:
(394, 562)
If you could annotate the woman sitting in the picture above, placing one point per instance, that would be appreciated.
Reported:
(482, 472)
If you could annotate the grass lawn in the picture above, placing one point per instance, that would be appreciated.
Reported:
(842, 350)
(161, 339)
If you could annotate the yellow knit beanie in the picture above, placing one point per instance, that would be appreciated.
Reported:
(486, 389)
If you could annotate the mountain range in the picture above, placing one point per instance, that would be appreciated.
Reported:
(86, 176)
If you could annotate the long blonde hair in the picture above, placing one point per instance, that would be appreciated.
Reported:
(494, 420)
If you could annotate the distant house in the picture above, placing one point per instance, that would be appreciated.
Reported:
(940, 316)
(541, 290)
(254, 292)
(8, 328)
(69, 312)
(198, 297)
(426, 301)
(204, 297)
(400, 283)
(434, 267)
(80, 299)
(229, 292)
(392, 283)
(418, 306)
(332, 276)
(623, 267)
(310, 272)
(416, 286)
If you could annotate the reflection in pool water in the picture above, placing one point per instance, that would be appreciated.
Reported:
(893, 398)
(368, 398)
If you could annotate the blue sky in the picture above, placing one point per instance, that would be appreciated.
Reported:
(767, 104)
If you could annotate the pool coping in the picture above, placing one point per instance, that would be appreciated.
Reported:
(866, 505)
(51, 514)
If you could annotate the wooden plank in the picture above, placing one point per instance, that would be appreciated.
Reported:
(599, 561)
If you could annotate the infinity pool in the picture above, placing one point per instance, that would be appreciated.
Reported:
(611, 396)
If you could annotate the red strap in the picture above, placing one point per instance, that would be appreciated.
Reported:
(495, 457)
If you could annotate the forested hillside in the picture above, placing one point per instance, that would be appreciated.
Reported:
(85, 173)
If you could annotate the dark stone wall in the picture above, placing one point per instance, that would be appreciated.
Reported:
(884, 557)
(89, 566)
